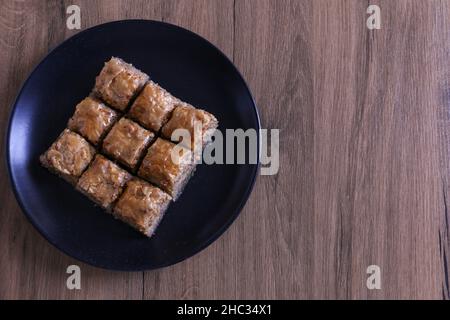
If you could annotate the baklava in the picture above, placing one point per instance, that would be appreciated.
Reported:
(118, 83)
(168, 166)
(68, 156)
(198, 123)
(103, 181)
(92, 119)
(152, 107)
(126, 142)
(142, 206)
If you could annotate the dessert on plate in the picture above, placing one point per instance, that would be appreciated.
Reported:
(126, 142)
(153, 106)
(200, 125)
(120, 148)
(166, 167)
(68, 156)
(92, 119)
(142, 206)
(118, 83)
(103, 181)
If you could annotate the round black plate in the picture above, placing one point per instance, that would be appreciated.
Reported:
(189, 67)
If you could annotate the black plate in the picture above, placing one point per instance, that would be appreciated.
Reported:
(189, 67)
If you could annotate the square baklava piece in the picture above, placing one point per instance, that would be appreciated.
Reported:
(168, 166)
(142, 206)
(68, 156)
(126, 142)
(199, 124)
(103, 181)
(152, 107)
(118, 83)
(92, 119)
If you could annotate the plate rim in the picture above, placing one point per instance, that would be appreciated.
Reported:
(216, 235)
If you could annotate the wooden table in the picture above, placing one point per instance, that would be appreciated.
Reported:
(364, 121)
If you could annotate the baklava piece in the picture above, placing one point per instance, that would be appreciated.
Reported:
(68, 156)
(152, 107)
(92, 119)
(199, 124)
(103, 181)
(167, 167)
(142, 206)
(126, 142)
(118, 83)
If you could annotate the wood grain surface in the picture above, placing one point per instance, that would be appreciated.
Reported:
(364, 119)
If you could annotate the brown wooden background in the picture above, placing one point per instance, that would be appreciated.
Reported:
(364, 164)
